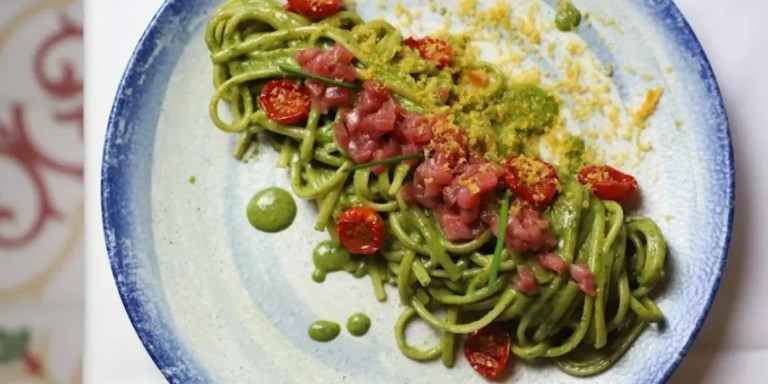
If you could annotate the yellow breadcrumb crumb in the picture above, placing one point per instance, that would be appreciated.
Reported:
(575, 48)
(609, 22)
(399, 9)
(530, 76)
(551, 50)
(620, 160)
(405, 16)
(530, 170)
(467, 6)
(649, 105)
(613, 115)
(528, 25)
(644, 146)
(579, 82)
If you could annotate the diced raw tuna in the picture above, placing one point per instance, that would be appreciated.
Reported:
(526, 282)
(372, 98)
(526, 230)
(381, 121)
(454, 227)
(583, 277)
(390, 149)
(413, 129)
(325, 97)
(335, 63)
(552, 262)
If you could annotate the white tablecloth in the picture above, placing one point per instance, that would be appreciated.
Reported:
(734, 342)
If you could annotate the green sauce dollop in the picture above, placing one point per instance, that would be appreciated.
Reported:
(567, 17)
(531, 109)
(330, 256)
(323, 330)
(271, 210)
(575, 155)
(358, 324)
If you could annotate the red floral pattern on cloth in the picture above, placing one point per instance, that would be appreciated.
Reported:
(15, 141)
(41, 175)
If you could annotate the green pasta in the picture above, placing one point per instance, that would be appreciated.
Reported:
(252, 41)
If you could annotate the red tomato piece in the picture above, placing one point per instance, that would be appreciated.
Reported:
(531, 179)
(478, 77)
(285, 101)
(361, 229)
(433, 50)
(314, 9)
(487, 350)
(608, 183)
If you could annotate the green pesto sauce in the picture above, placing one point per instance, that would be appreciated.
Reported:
(575, 154)
(567, 17)
(323, 330)
(330, 256)
(358, 324)
(530, 111)
(271, 210)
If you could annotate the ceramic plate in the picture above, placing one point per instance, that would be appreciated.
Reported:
(215, 301)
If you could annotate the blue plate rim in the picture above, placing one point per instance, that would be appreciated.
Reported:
(152, 342)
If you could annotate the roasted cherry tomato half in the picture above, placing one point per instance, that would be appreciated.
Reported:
(314, 9)
(487, 350)
(361, 230)
(608, 183)
(433, 50)
(531, 179)
(285, 101)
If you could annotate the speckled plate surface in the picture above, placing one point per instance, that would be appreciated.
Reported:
(216, 302)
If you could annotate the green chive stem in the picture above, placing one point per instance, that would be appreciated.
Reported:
(296, 71)
(503, 218)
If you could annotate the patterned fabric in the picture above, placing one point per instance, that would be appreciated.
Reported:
(41, 196)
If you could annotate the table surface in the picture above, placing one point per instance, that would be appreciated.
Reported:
(734, 341)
